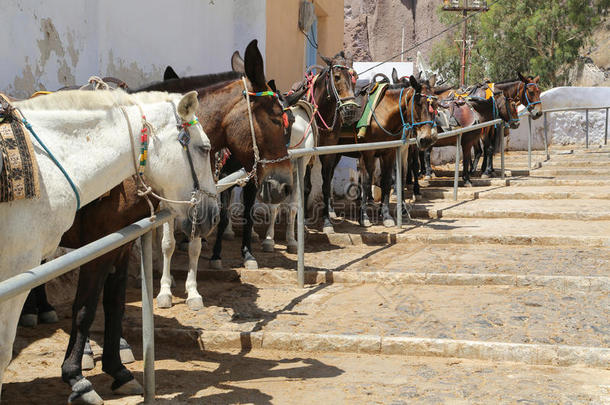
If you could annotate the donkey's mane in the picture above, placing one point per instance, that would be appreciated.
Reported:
(514, 80)
(93, 100)
(191, 82)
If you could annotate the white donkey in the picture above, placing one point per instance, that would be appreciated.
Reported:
(89, 135)
(303, 134)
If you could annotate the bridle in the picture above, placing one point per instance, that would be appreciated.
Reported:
(331, 88)
(529, 104)
(257, 159)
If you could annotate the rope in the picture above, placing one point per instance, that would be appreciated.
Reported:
(52, 157)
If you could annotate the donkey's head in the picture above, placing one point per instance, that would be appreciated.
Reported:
(178, 163)
(269, 121)
(340, 86)
(530, 95)
(507, 109)
(422, 107)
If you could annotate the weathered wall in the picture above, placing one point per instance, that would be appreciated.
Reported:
(50, 44)
(285, 61)
(373, 28)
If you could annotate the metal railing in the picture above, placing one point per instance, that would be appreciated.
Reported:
(545, 125)
(300, 154)
(24, 282)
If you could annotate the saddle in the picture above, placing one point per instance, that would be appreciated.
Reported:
(18, 166)
(374, 93)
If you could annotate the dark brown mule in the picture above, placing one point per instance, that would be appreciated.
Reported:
(403, 111)
(223, 113)
(469, 112)
(331, 92)
(524, 91)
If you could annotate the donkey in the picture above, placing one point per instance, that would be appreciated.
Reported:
(331, 92)
(524, 91)
(256, 142)
(402, 111)
(89, 134)
(468, 112)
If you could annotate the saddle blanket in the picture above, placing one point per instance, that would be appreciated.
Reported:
(18, 166)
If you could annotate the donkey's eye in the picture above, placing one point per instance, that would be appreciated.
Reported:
(337, 77)
(203, 149)
(275, 121)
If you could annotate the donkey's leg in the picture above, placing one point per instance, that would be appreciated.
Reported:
(414, 171)
(225, 200)
(114, 309)
(29, 313)
(328, 164)
(246, 248)
(9, 314)
(193, 299)
(168, 244)
(367, 171)
(478, 151)
(387, 164)
(229, 234)
(90, 282)
(488, 151)
(46, 312)
(466, 154)
(269, 242)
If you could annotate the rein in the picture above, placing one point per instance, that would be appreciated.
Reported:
(257, 158)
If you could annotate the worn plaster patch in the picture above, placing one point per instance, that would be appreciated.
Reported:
(50, 41)
(131, 73)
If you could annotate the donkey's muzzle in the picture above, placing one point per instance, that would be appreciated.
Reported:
(204, 216)
(349, 112)
(426, 138)
(273, 191)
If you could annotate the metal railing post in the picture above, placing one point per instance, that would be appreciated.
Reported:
(458, 145)
(502, 162)
(586, 128)
(546, 141)
(529, 143)
(606, 129)
(300, 223)
(148, 324)
(398, 185)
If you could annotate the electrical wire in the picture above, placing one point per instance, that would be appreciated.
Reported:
(429, 39)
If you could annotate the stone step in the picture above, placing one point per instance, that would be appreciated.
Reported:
(577, 163)
(572, 171)
(542, 325)
(476, 182)
(537, 180)
(508, 172)
(587, 210)
(502, 231)
(521, 193)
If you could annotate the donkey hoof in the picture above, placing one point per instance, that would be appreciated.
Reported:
(28, 320)
(83, 393)
(427, 177)
(328, 229)
(468, 184)
(131, 387)
(216, 264)
(255, 237)
(195, 303)
(332, 214)
(268, 245)
(126, 353)
(485, 176)
(48, 317)
(389, 222)
(292, 247)
(366, 223)
(164, 301)
(250, 264)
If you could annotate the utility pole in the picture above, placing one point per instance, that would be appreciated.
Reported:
(464, 6)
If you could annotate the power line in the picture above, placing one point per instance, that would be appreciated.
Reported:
(429, 39)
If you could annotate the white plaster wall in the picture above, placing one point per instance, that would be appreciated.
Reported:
(565, 128)
(50, 44)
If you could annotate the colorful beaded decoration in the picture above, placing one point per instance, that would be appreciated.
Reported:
(143, 147)
(195, 121)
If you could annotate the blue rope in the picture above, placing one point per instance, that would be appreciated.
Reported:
(29, 127)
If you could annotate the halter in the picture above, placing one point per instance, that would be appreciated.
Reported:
(529, 103)
(257, 158)
(331, 88)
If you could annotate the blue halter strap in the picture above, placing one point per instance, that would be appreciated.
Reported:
(406, 126)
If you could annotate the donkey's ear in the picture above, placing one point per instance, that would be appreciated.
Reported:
(326, 60)
(523, 79)
(395, 78)
(170, 74)
(271, 84)
(237, 63)
(414, 83)
(432, 80)
(188, 105)
(537, 79)
(254, 66)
